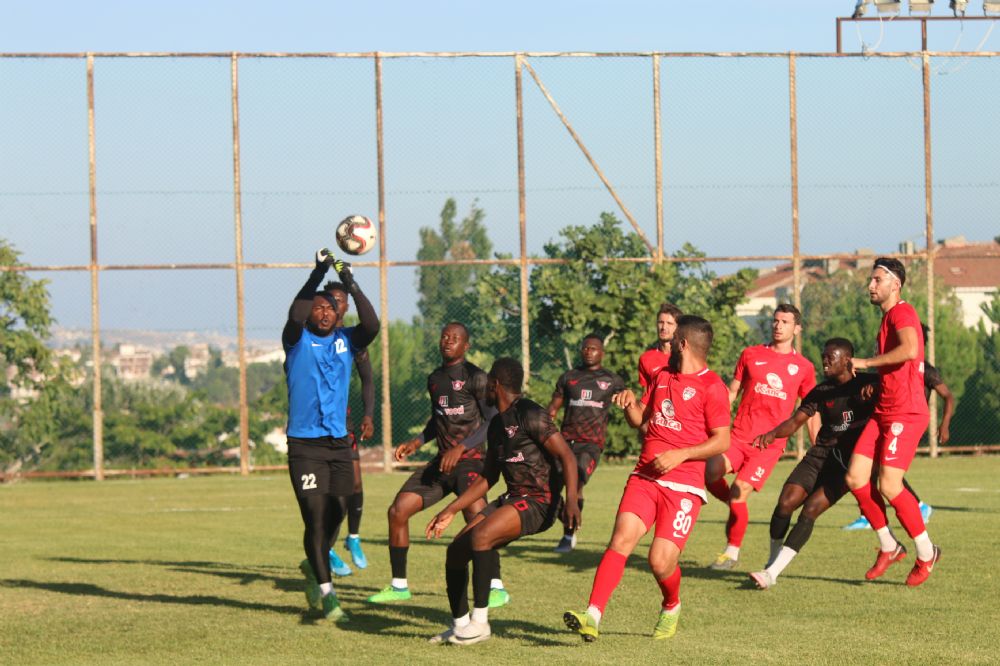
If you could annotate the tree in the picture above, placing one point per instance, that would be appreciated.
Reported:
(444, 290)
(617, 300)
(24, 320)
(977, 418)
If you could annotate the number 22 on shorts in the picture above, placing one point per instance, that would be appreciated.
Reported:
(308, 482)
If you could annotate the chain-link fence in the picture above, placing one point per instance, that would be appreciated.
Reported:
(173, 203)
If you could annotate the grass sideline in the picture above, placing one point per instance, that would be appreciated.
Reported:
(205, 570)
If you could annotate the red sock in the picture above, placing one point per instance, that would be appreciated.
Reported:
(739, 518)
(908, 511)
(671, 589)
(719, 489)
(872, 505)
(609, 574)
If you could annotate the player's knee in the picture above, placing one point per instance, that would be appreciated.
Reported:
(814, 509)
(662, 564)
(740, 491)
(398, 513)
(855, 480)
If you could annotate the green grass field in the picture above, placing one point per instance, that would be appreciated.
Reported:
(205, 570)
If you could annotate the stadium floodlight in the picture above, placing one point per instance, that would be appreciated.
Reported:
(958, 7)
(921, 6)
(888, 6)
(991, 8)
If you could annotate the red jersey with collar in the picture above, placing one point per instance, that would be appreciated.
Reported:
(770, 383)
(650, 364)
(681, 411)
(902, 383)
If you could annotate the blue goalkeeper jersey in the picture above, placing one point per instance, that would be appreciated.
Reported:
(319, 380)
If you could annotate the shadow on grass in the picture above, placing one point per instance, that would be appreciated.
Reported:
(91, 590)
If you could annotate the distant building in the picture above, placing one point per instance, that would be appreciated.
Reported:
(231, 358)
(972, 270)
(131, 362)
(196, 362)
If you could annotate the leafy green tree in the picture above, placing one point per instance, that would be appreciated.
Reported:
(977, 418)
(24, 320)
(444, 290)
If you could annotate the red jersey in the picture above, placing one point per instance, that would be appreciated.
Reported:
(650, 364)
(902, 383)
(681, 411)
(770, 382)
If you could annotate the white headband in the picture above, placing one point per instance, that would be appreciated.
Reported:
(889, 272)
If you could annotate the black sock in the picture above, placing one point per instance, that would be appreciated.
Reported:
(397, 560)
(779, 525)
(355, 503)
(800, 534)
(496, 564)
(457, 581)
(484, 563)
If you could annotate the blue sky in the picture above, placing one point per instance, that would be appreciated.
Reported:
(164, 170)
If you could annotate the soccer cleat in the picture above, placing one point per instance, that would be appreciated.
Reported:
(313, 593)
(566, 544)
(353, 546)
(763, 579)
(582, 624)
(723, 563)
(884, 559)
(337, 566)
(666, 626)
(332, 610)
(469, 634)
(925, 512)
(390, 594)
(443, 637)
(922, 569)
(861, 523)
(498, 597)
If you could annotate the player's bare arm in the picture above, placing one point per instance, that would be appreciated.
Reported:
(407, 449)
(440, 522)
(717, 442)
(557, 446)
(786, 428)
(813, 425)
(555, 405)
(942, 390)
(907, 350)
(634, 412)
(450, 458)
(367, 427)
(734, 390)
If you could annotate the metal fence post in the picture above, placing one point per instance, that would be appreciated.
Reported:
(240, 301)
(793, 136)
(522, 220)
(95, 320)
(383, 276)
(658, 157)
(932, 429)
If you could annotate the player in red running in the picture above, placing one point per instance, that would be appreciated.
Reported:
(891, 436)
(768, 378)
(655, 358)
(686, 411)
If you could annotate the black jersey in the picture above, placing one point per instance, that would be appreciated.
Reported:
(932, 377)
(457, 393)
(516, 449)
(842, 410)
(586, 398)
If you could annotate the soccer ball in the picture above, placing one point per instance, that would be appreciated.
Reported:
(356, 234)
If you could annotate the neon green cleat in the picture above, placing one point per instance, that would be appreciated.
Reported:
(313, 594)
(332, 610)
(499, 597)
(722, 563)
(581, 623)
(390, 594)
(666, 626)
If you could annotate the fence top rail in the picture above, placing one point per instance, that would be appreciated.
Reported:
(510, 54)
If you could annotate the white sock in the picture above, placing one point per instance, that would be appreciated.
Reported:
(326, 588)
(595, 613)
(496, 584)
(353, 536)
(776, 545)
(887, 542)
(461, 621)
(925, 547)
(399, 583)
(673, 611)
(783, 559)
(481, 615)
(733, 551)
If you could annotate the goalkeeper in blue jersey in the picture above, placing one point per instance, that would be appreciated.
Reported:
(319, 353)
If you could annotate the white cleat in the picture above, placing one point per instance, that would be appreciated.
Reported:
(566, 544)
(474, 632)
(763, 579)
(443, 637)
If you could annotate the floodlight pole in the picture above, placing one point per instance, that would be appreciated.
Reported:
(895, 19)
(932, 430)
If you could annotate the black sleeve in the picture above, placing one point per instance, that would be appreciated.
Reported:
(810, 403)
(538, 424)
(368, 324)
(364, 365)
(491, 466)
(932, 376)
(301, 306)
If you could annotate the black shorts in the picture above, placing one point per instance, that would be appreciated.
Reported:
(321, 467)
(432, 485)
(587, 456)
(822, 467)
(536, 514)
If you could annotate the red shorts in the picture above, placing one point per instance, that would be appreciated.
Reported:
(753, 465)
(674, 512)
(892, 440)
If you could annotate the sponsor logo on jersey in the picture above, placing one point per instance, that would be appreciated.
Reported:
(511, 431)
(667, 407)
(793, 369)
(847, 417)
(773, 387)
(896, 428)
(454, 411)
(603, 385)
(586, 394)
(519, 457)
(597, 404)
(665, 417)
(457, 385)
(688, 393)
(443, 400)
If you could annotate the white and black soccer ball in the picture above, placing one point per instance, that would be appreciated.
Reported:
(356, 234)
